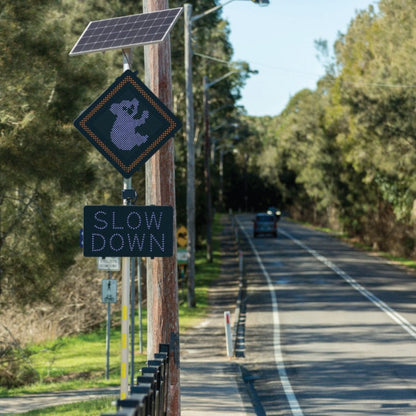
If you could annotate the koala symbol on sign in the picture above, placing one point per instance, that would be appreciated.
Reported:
(124, 133)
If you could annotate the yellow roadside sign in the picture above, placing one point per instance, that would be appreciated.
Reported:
(182, 236)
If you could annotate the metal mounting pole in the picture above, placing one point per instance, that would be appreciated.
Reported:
(139, 302)
(125, 285)
(132, 320)
(107, 337)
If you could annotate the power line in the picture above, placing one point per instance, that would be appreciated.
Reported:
(212, 58)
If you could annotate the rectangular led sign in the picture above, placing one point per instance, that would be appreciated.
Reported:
(128, 231)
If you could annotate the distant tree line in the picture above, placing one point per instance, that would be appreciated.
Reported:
(344, 154)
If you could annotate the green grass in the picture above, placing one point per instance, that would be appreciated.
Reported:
(90, 408)
(78, 362)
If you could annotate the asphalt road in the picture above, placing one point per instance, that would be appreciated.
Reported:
(327, 329)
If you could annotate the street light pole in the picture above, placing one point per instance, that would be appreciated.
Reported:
(190, 140)
(207, 160)
(190, 198)
(207, 170)
(190, 185)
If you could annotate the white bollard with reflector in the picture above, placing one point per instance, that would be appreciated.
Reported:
(228, 337)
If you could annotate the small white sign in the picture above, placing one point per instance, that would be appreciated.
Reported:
(109, 291)
(182, 256)
(109, 263)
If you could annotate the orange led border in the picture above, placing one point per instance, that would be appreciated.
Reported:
(150, 100)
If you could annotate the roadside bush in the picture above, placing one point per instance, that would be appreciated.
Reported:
(15, 368)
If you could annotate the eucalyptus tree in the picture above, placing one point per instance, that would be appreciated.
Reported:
(375, 90)
(378, 84)
(41, 162)
(45, 169)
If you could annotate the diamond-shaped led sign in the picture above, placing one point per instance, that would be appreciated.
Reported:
(127, 123)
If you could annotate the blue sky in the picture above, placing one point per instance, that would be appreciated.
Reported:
(278, 41)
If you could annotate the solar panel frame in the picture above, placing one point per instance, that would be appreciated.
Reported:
(126, 31)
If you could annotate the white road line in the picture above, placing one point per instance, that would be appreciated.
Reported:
(287, 387)
(395, 316)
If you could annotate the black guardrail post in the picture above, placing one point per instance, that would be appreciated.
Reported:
(150, 395)
(164, 354)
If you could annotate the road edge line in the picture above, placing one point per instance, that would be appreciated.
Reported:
(281, 368)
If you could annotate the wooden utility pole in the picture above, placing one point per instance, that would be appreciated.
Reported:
(162, 279)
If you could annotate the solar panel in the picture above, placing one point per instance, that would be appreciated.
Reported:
(126, 31)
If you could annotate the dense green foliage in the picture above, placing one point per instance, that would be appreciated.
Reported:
(48, 171)
(44, 168)
(341, 155)
(344, 154)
